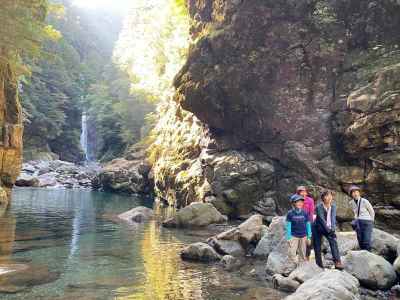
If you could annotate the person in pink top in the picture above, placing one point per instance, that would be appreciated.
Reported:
(309, 208)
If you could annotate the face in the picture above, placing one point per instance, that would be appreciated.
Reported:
(303, 193)
(356, 194)
(328, 199)
(299, 204)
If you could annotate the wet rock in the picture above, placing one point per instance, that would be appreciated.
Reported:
(17, 277)
(305, 272)
(227, 247)
(25, 180)
(196, 215)
(200, 252)
(231, 263)
(285, 284)
(139, 214)
(373, 271)
(274, 239)
(330, 284)
(385, 244)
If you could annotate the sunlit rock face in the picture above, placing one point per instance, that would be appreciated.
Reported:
(10, 134)
(297, 87)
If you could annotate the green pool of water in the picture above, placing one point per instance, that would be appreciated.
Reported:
(75, 250)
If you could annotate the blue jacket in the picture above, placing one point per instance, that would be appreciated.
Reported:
(320, 221)
(297, 224)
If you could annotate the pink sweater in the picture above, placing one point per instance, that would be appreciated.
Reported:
(309, 208)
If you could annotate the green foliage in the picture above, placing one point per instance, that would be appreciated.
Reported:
(22, 31)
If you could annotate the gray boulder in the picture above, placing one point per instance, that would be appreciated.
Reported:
(230, 263)
(48, 180)
(274, 239)
(196, 214)
(200, 252)
(373, 271)
(138, 214)
(26, 180)
(227, 247)
(285, 284)
(278, 263)
(328, 285)
(385, 244)
(305, 272)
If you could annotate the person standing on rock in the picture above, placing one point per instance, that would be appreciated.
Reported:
(309, 208)
(364, 216)
(298, 230)
(325, 226)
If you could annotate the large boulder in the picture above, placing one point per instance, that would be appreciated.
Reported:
(196, 214)
(305, 272)
(48, 180)
(274, 239)
(137, 215)
(246, 234)
(328, 285)
(373, 271)
(26, 180)
(279, 263)
(385, 244)
(227, 247)
(200, 252)
(347, 241)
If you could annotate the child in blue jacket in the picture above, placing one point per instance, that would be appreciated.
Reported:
(298, 230)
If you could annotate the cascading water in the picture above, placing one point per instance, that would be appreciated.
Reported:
(84, 137)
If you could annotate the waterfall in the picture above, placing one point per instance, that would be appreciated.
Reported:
(84, 137)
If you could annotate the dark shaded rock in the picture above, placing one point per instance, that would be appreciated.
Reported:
(385, 244)
(200, 252)
(25, 180)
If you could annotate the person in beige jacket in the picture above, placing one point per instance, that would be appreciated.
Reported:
(364, 217)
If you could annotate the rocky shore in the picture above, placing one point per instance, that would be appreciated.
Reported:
(367, 275)
(57, 174)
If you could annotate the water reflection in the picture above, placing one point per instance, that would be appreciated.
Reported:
(71, 251)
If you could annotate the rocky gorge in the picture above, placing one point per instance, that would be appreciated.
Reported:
(273, 95)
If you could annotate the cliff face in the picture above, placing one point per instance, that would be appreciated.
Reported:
(287, 93)
(10, 134)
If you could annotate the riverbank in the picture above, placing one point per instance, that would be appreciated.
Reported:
(57, 174)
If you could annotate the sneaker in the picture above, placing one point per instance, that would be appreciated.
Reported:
(339, 266)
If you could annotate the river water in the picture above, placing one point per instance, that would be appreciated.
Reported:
(72, 248)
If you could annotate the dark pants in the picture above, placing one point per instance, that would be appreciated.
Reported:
(318, 236)
(364, 234)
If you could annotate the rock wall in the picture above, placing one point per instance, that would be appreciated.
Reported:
(10, 133)
(280, 93)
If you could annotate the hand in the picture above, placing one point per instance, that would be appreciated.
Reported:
(308, 242)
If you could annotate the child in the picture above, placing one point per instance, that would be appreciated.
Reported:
(364, 216)
(325, 226)
(298, 230)
(309, 208)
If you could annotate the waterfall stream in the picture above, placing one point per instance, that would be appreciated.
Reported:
(84, 137)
